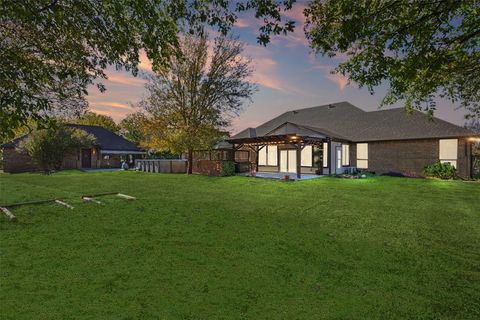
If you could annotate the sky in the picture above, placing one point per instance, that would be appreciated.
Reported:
(288, 74)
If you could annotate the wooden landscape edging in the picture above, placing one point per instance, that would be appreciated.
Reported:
(8, 214)
(13, 218)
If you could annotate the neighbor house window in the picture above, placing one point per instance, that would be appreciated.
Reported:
(325, 154)
(307, 156)
(362, 155)
(267, 156)
(345, 155)
(448, 151)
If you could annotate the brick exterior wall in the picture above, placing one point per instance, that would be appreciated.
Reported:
(409, 157)
(14, 161)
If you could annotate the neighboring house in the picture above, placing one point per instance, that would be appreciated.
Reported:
(340, 137)
(108, 151)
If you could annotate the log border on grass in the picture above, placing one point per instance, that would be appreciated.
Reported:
(9, 214)
(91, 199)
(126, 196)
(63, 203)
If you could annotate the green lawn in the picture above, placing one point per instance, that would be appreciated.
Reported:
(195, 247)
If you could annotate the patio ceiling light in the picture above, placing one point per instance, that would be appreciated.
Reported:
(473, 139)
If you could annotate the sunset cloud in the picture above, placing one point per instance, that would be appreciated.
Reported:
(266, 70)
(125, 79)
(297, 37)
(242, 23)
(340, 80)
(116, 110)
(145, 64)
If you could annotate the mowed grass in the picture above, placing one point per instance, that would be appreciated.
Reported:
(195, 247)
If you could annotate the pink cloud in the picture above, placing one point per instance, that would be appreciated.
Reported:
(125, 79)
(266, 70)
(340, 80)
(242, 23)
(116, 110)
(297, 37)
(145, 64)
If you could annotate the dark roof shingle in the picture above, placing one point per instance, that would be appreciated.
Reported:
(349, 122)
(105, 139)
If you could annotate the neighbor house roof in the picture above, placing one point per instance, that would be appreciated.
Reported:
(345, 121)
(106, 140)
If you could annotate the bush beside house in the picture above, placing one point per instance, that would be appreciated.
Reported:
(440, 170)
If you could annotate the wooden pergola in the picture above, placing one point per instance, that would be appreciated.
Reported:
(287, 134)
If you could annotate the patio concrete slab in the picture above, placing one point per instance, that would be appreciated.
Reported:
(281, 175)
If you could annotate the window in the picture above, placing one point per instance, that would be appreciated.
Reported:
(272, 155)
(448, 151)
(345, 155)
(307, 155)
(362, 155)
(262, 156)
(267, 156)
(325, 154)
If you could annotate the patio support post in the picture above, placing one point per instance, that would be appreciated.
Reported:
(329, 159)
(299, 161)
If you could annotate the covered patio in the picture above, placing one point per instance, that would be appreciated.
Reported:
(290, 139)
(279, 175)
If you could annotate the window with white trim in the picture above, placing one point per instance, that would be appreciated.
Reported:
(307, 156)
(345, 155)
(448, 151)
(272, 155)
(362, 155)
(325, 154)
(262, 156)
(267, 156)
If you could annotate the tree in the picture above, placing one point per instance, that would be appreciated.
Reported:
(52, 50)
(189, 103)
(131, 127)
(48, 147)
(474, 125)
(420, 48)
(95, 119)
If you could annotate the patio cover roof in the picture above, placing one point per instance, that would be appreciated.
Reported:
(289, 132)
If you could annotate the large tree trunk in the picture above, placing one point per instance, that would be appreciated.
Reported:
(190, 161)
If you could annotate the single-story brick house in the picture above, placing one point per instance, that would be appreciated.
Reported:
(340, 137)
(108, 152)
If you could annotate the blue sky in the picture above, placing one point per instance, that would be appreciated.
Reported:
(289, 76)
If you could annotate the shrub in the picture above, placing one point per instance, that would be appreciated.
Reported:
(228, 169)
(440, 170)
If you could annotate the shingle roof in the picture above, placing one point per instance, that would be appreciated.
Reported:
(105, 139)
(345, 120)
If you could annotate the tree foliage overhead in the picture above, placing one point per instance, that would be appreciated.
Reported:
(49, 147)
(419, 48)
(52, 50)
(190, 102)
(131, 127)
(95, 119)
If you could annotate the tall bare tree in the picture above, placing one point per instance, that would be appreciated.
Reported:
(192, 100)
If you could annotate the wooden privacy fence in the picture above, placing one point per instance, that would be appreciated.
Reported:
(161, 165)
